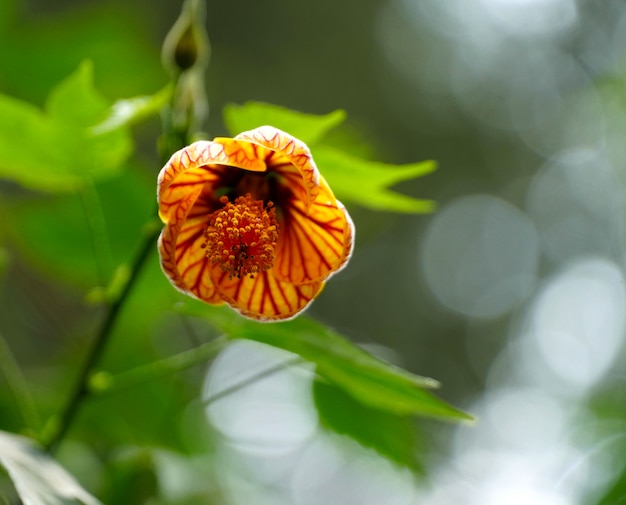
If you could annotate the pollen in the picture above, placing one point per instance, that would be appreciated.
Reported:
(241, 236)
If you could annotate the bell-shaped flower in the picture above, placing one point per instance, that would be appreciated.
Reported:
(250, 221)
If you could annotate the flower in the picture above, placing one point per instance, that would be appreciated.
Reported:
(250, 221)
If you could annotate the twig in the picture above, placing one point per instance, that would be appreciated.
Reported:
(80, 389)
(252, 379)
(103, 384)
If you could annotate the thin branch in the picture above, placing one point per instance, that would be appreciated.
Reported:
(252, 379)
(103, 384)
(175, 135)
(80, 389)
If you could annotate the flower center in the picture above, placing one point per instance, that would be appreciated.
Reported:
(241, 236)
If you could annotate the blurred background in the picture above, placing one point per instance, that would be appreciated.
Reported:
(511, 294)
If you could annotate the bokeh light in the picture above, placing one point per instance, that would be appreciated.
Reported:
(578, 321)
(271, 448)
(546, 252)
(480, 256)
(274, 413)
(576, 206)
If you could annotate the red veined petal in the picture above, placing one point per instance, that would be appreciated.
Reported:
(188, 173)
(313, 243)
(290, 158)
(264, 297)
(187, 197)
(183, 258)
(245, 155)
(316, 239)
(206, 164)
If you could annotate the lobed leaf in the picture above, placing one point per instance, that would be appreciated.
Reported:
(132, 110)
(309, 128)
(365, 378)
(79, 135)
(75, 101)
(374, 178)
(392, 436)
(339, 168)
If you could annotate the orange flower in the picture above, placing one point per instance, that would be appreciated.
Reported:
(250, 221)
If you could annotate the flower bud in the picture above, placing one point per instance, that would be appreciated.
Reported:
(187, 43)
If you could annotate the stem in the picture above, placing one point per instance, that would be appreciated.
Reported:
(104, 384)
(185, 115)
(80, 389)
(252, 379)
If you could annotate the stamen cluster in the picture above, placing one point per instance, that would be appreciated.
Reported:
(241, 236)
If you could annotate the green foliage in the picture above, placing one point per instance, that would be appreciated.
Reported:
(57, 150)
(133, 110)
(374, 180)
(88, 233)
(77, 201)
(392, 436)
(148, 406)
(339, 168)
(367, 379)
(310, 128)
(80, 228)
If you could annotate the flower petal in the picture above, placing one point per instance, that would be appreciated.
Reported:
(183, 258)
(188, 172)
(290, 158)
(316, 243)
(245, 155)
(206, 164)
(186, 195)
(264, 297)
(315, 238)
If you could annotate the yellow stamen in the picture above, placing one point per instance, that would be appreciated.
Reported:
(241, 236)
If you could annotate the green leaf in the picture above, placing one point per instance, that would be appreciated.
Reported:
(57, 226)
(341, 170)
(365, 378)
(132, 110)
(75, 101)
(56, 150)
(149, 407)
(38, 479)
(27, 146)
(392, 436)
(309, 128)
